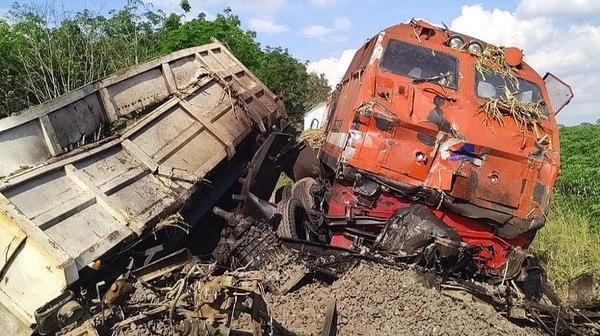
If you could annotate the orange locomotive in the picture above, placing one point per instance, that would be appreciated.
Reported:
(427, 116)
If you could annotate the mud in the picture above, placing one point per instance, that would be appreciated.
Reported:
(376, 300)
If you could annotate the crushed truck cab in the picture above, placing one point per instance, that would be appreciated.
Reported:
(428, 116)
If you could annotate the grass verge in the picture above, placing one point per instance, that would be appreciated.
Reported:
(568, 246)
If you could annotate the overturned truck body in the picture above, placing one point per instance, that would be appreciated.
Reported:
(75, 190)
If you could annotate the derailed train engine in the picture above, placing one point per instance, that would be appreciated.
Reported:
(435, 136)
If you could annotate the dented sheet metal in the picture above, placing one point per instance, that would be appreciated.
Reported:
(62, 208)
(414, 115)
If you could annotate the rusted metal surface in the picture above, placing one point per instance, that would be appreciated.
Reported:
(63, 207)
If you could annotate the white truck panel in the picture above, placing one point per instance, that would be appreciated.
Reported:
(68, 204)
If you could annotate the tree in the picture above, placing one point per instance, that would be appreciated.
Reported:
(283, 74)
(318, 90)
(130, 33)
(51, 53)
(46, 53)
(11, 97)
(185, 5)
(225, 28)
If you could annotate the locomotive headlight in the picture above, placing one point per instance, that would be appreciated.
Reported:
(475, 48)
(456, 42)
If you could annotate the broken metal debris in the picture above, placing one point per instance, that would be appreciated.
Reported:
(187, 299)
(62, 311)
(412, 229)
(251, 244)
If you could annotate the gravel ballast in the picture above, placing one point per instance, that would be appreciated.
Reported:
(376, 300)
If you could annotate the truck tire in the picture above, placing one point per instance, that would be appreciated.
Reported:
(293, 215)
(301, 191)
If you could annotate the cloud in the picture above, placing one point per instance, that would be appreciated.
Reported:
(318, 31)
(568, 51)
(315, 31)
(333, 68)
(266, 25)
(575, 9)
(322, 3)
(341, 23)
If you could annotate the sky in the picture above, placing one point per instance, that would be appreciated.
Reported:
(562, 37)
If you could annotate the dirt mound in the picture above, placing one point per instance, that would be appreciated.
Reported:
(376, 300)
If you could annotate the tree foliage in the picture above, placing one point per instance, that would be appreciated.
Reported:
(46, 53)
(176, 35)
(185, 5)
(290, 84)
(318, 89)
(281, 72)
(11, 98)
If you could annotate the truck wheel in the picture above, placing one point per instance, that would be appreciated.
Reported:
(292, 220)
(301, 191)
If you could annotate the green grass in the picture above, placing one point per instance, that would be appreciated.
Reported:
(579, 181)
(569, 245)
(283, 180)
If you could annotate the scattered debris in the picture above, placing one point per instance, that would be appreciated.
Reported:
(314, 137)
(526, 115)
(495, 56)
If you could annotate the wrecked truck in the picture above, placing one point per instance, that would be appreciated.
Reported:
(87, 176)
(436, 137)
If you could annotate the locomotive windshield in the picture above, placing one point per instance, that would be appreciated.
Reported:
(420, 63)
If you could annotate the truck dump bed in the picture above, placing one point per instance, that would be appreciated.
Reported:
(68, 195)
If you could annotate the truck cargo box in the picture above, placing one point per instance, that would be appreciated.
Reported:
(72, 189)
